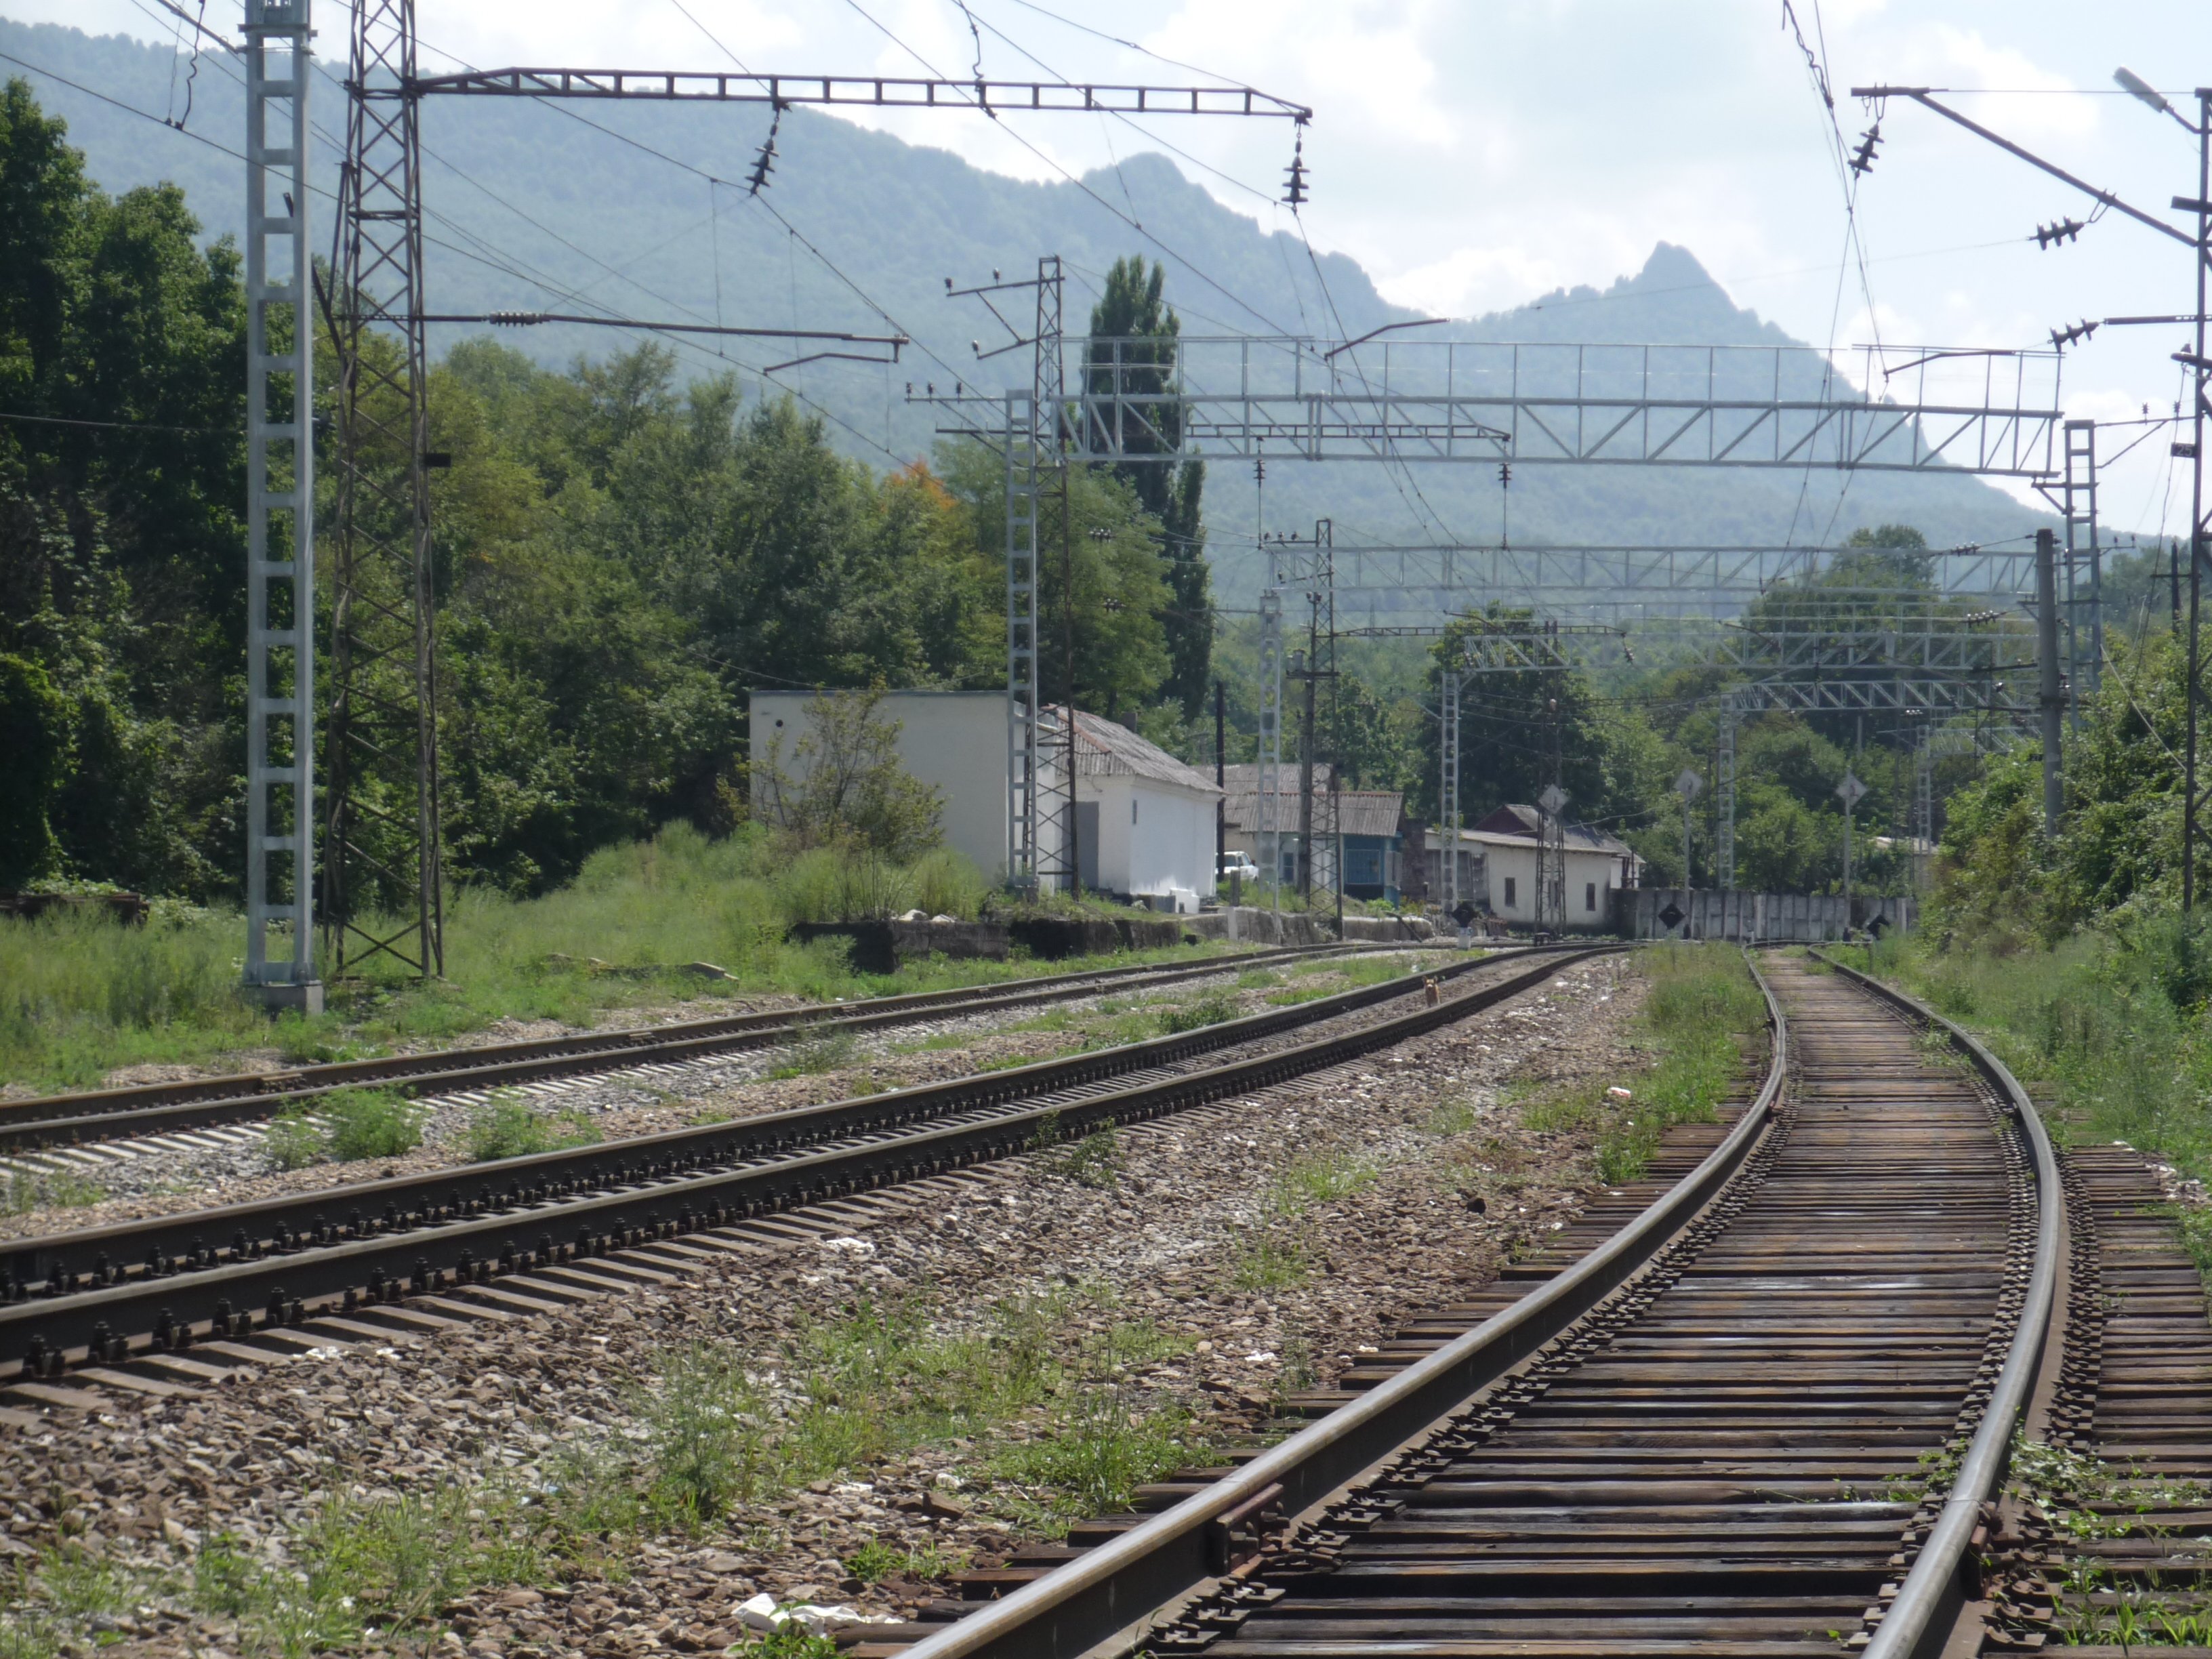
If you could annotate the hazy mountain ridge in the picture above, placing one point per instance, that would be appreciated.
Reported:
(897, 220)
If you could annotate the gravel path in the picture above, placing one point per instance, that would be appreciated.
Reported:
(1429, 1126)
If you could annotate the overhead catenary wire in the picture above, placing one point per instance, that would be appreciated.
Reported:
(1197, 270)
(494, 260)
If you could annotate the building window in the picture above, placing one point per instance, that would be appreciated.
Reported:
(1133, 809)
(1508, 892)
(1590, 896)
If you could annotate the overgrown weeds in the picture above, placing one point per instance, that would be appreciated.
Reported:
(1700, 1016)
(344, 1126)
(80, 995)
(1094, 1160)
(1271, 1256)
(815, 1051)
(1213, 1009)
(1098, 1454)
(506, 1127)
(25, 1191)
(2113, 1020)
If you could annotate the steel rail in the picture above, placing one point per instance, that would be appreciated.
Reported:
(1917, 1622)
(155, 1107)
(1103, 1593)
(688, 1179)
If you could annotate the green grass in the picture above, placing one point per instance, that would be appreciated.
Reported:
(707, 1431)
(506, 1127)
(875, 1561)
(1096, 1160)
(344, 1127)
(1095, 1457)
(1701, 1014)
(1271, 1256)
(815, 1053)
(358, 1563)
(2112, 1022)
(59, 1189)
(1213, 1009)
(80, 995)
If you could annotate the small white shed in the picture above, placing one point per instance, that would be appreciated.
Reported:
(1145, 820)
(1596, 867)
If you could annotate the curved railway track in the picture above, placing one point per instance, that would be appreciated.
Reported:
(143, 1293)
(1767, 1415)
(155, 1108)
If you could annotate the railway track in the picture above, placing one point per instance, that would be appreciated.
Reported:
(144, 1111)
(1760, 1406)
(129, 1302)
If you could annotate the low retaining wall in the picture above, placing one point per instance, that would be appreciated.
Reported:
(1388, 930)
(1762, 918)
(1250, 926)
(879, 947)
(1054, 938)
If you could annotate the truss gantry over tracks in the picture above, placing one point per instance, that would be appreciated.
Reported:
(1243, 397)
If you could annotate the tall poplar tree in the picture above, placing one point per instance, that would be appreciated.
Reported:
(1132, 311)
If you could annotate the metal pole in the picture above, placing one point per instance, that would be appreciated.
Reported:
(1847, 865)
(1447, 790)
(2052, 696)
(1724, 801)
(1021, 642)
(1220, 781)
(2201, 385)
(382, 597)
(280, 512)
(1306, 754)
(1270, 767)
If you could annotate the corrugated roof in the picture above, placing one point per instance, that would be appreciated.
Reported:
(1524, 824)
(1359, 811)
(1106, 748)
(1242, 777)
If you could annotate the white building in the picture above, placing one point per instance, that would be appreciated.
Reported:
(1145, 821)
(1597, 867)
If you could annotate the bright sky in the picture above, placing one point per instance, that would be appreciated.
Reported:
(1472, 156)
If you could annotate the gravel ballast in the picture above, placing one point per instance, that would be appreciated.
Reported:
(1426, 1178)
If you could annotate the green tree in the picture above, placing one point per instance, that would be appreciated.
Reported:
(1132, 354)
(35, 740)
(122, 565)
(841, 783)
(1118, 590)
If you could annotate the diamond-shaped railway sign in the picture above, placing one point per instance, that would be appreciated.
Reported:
(1850, 791)
(1687, 787)
(1671, 915)
(1552, 799)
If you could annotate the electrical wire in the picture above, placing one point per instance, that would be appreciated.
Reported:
(121, 426)
(1195, 270)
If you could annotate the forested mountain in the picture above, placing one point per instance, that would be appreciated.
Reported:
(532, 204)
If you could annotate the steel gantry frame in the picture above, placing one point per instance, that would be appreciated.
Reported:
(1248, 397)
(1930, 674)
(381, 800)
(280, 513)
(1245, 397)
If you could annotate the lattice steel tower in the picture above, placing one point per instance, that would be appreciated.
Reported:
(280, 518)
(381, 865)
